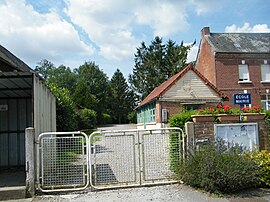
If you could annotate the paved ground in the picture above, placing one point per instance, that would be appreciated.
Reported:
(170, 193)
(117, 127)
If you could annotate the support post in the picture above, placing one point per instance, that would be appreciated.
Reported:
(190, 136)
(30, 161)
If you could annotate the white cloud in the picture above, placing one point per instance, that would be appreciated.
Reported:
(33, 36)
(205, 6)
(106, 24)
(165, 17)
(247, 28)
(110, 23)
(192, 54)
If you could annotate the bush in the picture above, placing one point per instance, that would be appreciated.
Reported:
(87, 118)
(219, 170)
(262, 159)
(179, 120)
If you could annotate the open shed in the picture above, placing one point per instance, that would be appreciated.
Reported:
(25, 101)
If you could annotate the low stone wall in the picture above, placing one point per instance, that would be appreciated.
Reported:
(203, 132)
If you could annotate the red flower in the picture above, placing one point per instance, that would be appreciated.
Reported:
(226, 107)
(245, 109)
(218, 106)
(211, 109)
(257, 107)
(200, 110)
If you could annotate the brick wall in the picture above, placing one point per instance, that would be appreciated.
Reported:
(204, 133)
(228, 76)
(171, 107)
(205, 62)
(221, 69)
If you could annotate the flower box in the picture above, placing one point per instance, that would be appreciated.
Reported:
(203, 118)
(228, 117)
(253, 116)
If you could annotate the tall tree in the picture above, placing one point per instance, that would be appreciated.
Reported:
(156, 63)
(93, 89)
(122, 101)
(61, 76)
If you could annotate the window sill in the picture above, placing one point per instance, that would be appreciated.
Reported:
(244, 82)
(266, 82)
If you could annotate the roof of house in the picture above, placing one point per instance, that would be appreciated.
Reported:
(239, 42)
(13, 61)
(160, 90)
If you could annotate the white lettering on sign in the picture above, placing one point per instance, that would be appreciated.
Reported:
(3, 107)
(242, 97)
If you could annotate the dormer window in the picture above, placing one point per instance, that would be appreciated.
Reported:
(243, 73)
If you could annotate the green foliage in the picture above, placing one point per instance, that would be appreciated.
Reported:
(179, 120)
(87, 87)
(132, 117)
(87, 118)
(156, 63)
(217, 169)
(93, 89)
(262, 158)
(121, 104)
(65, 109)
(106, 118)
(61, 76)
(267, 115)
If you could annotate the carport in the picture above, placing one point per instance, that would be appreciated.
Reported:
(25, 102)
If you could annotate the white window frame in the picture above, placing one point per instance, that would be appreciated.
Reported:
(243, 73)
(265, 73)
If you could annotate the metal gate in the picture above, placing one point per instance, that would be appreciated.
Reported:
(63, 163)
(109, 159)
(135, 157)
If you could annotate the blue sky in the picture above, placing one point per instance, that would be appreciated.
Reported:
(70, 32)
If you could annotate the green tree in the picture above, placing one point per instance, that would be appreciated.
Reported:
(92, 90)
(122, 101)
(66, 119)
(156, 63)
(62, 76)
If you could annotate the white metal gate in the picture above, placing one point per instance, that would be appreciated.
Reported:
(63, 163)
(114, 158)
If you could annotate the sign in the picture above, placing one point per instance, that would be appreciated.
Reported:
(242, 99)
(3, 107)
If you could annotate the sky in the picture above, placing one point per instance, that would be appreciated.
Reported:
(71, 32)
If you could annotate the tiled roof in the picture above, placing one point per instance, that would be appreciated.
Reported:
(239, 42)
(160, 90)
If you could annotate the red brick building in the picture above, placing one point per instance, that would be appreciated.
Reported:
(188, 89)
(236, 63)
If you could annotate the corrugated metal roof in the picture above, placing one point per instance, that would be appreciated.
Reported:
(158, 91)
(7, 57)
(239, 42)
(16, 84)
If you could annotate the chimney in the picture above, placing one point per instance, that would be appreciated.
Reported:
(205, 31)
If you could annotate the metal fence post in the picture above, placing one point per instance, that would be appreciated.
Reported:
(30, 161)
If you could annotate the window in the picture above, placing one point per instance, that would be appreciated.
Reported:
(265, 102)
(147, 113)
(243, 73)
(265, 71)
(164, 116)
(192, 106)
